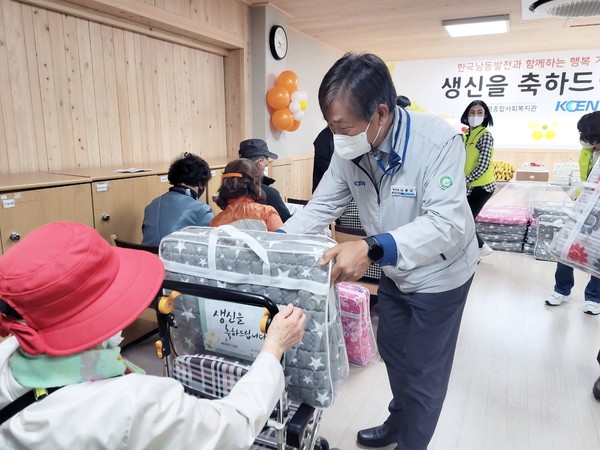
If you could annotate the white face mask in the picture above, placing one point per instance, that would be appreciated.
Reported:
(475, 121)
(350, 147)
(585, 144)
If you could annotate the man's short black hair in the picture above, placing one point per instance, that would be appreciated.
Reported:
(362, 82)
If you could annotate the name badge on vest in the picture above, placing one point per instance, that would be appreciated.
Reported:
(404, 191)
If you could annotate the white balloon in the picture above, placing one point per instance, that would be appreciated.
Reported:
(296, 96)
(294, 107)
(299, 115)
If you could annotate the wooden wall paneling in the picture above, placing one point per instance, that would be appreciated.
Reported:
(73, 9)
(163, 101)
(147, 72)
(122, 96)
(114, 151)
(37, 119)
(90, 118)
(168, 5)
(301, 178)
(197, 10)
(8, 137)
(197, 96)
(135, 112)
(40, 206)
(177, 7)
(178, 100)
(171, 105)
(139, 69)
(3, 143)
(108, 109)
(140, 12)
(186, 8)
(66, 158)
(24, 156)
(203, 84)
(216, 107)
(281, 171)
(237, 119)
(100, 97)
(76, 94)
(184, 105)
(52, 150)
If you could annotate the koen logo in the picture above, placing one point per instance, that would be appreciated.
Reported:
(577, 105)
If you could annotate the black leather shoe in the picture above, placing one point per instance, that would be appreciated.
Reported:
(596, 389)
(377, 436)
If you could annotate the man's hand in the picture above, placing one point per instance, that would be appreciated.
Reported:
(285, 331)
(351, 260)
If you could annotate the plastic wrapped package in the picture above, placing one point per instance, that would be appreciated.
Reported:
(284, 268)
(578, 242)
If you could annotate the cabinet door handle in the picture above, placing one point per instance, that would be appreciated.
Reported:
(14, 236)
(105, 217)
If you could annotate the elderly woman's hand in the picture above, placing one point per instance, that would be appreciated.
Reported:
(285, 331)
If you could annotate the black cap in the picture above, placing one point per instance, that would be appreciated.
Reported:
(252, 148)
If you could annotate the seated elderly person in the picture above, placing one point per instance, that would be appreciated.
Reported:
(63, 383)
(182, 205)
(257, 151)
(241, 197)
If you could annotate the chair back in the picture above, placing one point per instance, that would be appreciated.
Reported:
(126, 244)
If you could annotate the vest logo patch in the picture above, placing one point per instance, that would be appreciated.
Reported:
(359, 183)
(446, 182)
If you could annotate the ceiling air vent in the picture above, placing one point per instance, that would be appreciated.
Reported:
(565, 8)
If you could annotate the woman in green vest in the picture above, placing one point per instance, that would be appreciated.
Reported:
(479, 166)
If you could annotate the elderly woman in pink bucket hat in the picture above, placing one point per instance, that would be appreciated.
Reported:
(66, 295)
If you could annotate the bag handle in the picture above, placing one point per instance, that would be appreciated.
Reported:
(238, 234)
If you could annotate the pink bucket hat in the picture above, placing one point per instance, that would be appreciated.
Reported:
(73, 289)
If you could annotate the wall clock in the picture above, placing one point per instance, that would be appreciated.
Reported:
(278, 42)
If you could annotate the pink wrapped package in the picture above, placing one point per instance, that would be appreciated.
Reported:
(356, 322)
(505, 214)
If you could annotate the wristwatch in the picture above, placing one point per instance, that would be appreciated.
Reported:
(375, 252)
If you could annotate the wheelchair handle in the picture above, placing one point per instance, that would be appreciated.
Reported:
(223, 294)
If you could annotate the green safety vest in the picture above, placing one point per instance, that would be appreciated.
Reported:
(585, 163)
(470, 141)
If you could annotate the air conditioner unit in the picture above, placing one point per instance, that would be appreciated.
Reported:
(559, 9)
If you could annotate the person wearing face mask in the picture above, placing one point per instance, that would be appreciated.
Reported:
(479, 165)
(257, 151)
(589, 131)
(63, 383)
(182, 206)
(406, 172)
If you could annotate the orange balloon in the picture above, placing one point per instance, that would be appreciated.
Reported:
(294, 126)
(282, 119)
(288, 80)
(278, 97)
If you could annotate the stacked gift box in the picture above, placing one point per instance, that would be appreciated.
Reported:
(566, 173)
(503, 227)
